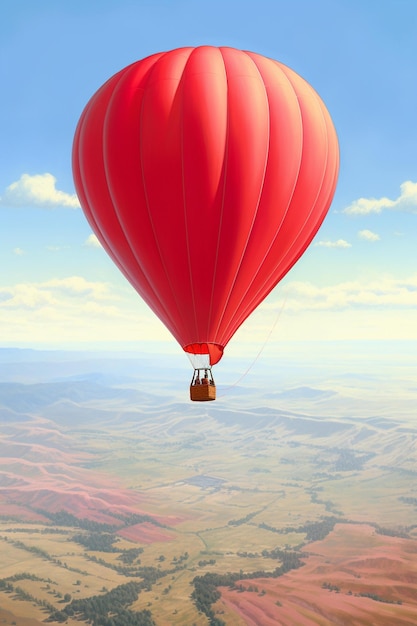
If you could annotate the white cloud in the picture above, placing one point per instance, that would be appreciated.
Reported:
(79, 286)
(74, 309)
(386, 292)
(368, 235)
(67, 292)
(37, 191)
(92, 242)
(382, 308)
(406, 201)
(18, 251)
(339, 243)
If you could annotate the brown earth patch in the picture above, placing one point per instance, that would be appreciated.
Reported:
(145, 533)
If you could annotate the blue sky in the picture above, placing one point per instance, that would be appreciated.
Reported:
(358, 280)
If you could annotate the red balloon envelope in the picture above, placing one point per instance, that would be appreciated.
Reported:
(205, 173)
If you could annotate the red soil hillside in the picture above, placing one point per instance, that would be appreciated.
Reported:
(331, 587)
(37, 478)
(28, 499)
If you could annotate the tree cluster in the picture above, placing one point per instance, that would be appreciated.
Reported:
(314, 531)
(243, 520)
(130, 555)
(99, 542)
(109, 609)
(63, 518)
(374, 596)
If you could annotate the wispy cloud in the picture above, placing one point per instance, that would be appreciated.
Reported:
(92, 242)
(386, 292)
(368, 235)
(63, 291)
(37, 191)
(18, 251)
(71, 309)
(381, 308)
(339, 243)
(406, 201)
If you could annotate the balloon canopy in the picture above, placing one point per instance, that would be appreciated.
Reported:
(205, 173)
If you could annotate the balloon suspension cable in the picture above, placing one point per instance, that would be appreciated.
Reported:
(246, 372)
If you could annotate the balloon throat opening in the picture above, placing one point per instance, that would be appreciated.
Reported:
(204, 354)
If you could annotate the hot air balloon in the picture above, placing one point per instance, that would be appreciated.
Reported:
(205, 173)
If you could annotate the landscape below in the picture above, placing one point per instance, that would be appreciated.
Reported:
(277, 505)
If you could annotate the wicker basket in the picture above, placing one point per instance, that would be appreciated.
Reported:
(202, 393)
